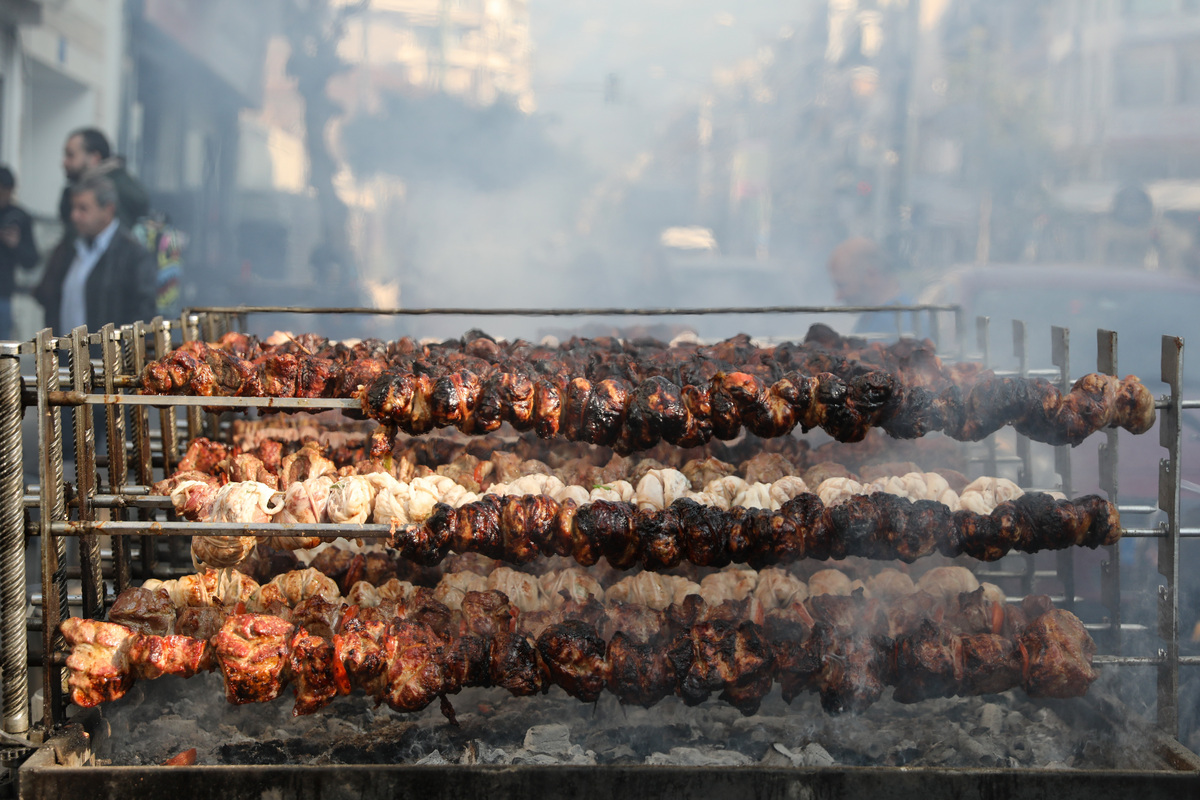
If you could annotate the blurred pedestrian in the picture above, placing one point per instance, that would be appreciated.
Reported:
(862, 277)
(111, 277)
(87, 152)
(17, 247)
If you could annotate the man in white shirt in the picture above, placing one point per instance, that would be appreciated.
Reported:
(111, 278)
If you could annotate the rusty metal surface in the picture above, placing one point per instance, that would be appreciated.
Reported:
(382, 782)
(13, 657)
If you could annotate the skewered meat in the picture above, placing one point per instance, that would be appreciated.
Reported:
(837, 646)
(880, 526)
(684, 398)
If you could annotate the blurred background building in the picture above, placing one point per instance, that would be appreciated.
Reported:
(393, 148)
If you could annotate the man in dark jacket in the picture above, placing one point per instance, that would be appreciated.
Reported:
(87, 152)
(17, 248)
(111, 278)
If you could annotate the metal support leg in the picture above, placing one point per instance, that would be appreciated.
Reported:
(1060, 348)
(91, 575)
(52, 507)
(1024, 451)
(1170, 434)
(13, 650)
(1110, 571)
(118, 471)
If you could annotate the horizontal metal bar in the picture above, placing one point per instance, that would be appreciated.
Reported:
(565, 312)
(1142, 533)
(261, 530)
(1137, 509)
(113, 501)
(1191, 403)
(1128, 661)
(78, 398)
(1105, 626)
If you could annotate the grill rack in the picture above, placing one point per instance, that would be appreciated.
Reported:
(124, 352)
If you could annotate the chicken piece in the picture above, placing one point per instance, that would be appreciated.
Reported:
(659, 488)
(574, 655)
(890, 584)
(313, 668)
(244, 502)
(639, 673)
(318, 616)
(834, 491)
(350, 500)
(144, 611)
(252, 653)
(735, 659)
(785, 489)
(1056, 652)
(777, 588)
(703, 472)
(569, 585)
(192, 499)
(645, 588)
(152, 656)
(522, 590)
(304, 503)
(415, 674)
(201, 623)
(488, 613)
(307, 462)
(766, 467)
(270, 453)
(300, 585)
(947, 582)
(99, 660)
(203, 455)
(728, 584)
(829, 581)
(516, 665)
(819, 473)
(247, 467)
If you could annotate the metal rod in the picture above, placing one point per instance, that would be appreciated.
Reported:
(259, 529)
(167, 416)
(118, 471)
(187, 324)
(163, 400)
(1060, 352)
(1170, 433)
(136, 362)
(14, 665)
(85, 477)
(53, 507)
(1024, 449)
(1110, 570)
(562, 312)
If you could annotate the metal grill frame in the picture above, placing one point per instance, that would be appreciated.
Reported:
(125, 351)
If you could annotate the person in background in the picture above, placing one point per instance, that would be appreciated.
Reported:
(111, 278)
(861, 277)
(87, 152)
(17, 247)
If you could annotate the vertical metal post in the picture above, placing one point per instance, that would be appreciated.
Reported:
(14, 657)
(167, 416)
(1110, 570)
(189, 331)
(1060, 355)
(52, 507)
(1170, 434)
(118, 471)
(960, 332)
(1024, 450)
(983, 340)
(136, 355)
(211, 325)
(91, 575)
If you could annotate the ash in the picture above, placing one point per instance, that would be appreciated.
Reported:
(162, 718)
